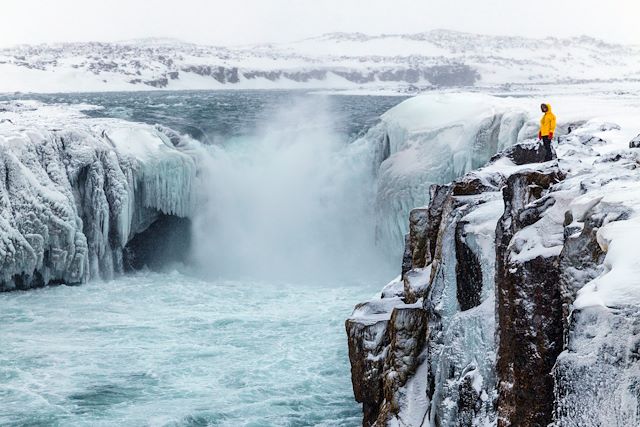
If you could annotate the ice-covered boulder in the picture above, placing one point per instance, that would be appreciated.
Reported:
(526, 152)
(74, 191)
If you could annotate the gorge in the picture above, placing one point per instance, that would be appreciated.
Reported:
(516, 274)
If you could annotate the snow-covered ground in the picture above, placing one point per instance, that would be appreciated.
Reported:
(405, 62)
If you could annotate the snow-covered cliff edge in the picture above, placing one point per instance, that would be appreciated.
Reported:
(75, 190)
(433, 139)
(518, 299)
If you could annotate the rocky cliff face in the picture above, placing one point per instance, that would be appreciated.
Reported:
(529, 310)
(516, 304)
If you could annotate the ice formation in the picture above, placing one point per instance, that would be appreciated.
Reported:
(75, 190)
(518, 302)
(433, 139)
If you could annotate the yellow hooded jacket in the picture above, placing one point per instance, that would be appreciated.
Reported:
(548, 122)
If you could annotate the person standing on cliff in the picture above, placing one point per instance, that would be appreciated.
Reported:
(547, 128)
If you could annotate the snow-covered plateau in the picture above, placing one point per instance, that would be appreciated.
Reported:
(75, 191)
(518, 302)
(405, 62)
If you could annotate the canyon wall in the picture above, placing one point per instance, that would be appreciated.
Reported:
(517, 303)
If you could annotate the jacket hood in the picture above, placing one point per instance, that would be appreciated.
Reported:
(548, 107)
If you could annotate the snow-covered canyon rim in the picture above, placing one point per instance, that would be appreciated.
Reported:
(404, 62)
(518, 302)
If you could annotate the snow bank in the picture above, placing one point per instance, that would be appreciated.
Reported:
(75, 190)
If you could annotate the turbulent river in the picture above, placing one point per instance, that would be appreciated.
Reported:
(251, 332)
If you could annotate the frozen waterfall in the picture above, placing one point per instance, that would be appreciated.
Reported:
(75, 190)
(295, 199)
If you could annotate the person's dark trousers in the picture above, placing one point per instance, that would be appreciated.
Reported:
(548, 155)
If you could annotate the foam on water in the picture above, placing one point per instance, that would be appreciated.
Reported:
(170, 349)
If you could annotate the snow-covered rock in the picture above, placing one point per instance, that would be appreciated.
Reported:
(374, 329)
(529, 309)
(75, 190)
(527, 271)
(409, 62)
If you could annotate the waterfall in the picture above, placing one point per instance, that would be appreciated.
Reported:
(294, 200)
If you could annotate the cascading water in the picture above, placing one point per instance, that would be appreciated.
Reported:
(294, 201)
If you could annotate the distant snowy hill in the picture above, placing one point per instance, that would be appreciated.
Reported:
(407, 62)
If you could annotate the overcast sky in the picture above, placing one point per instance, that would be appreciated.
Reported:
(250, 21)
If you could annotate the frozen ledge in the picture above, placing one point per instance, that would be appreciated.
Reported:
(74, 190)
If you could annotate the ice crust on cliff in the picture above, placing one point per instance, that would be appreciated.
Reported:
(74, 190)
(596, 375)
(433, 139)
